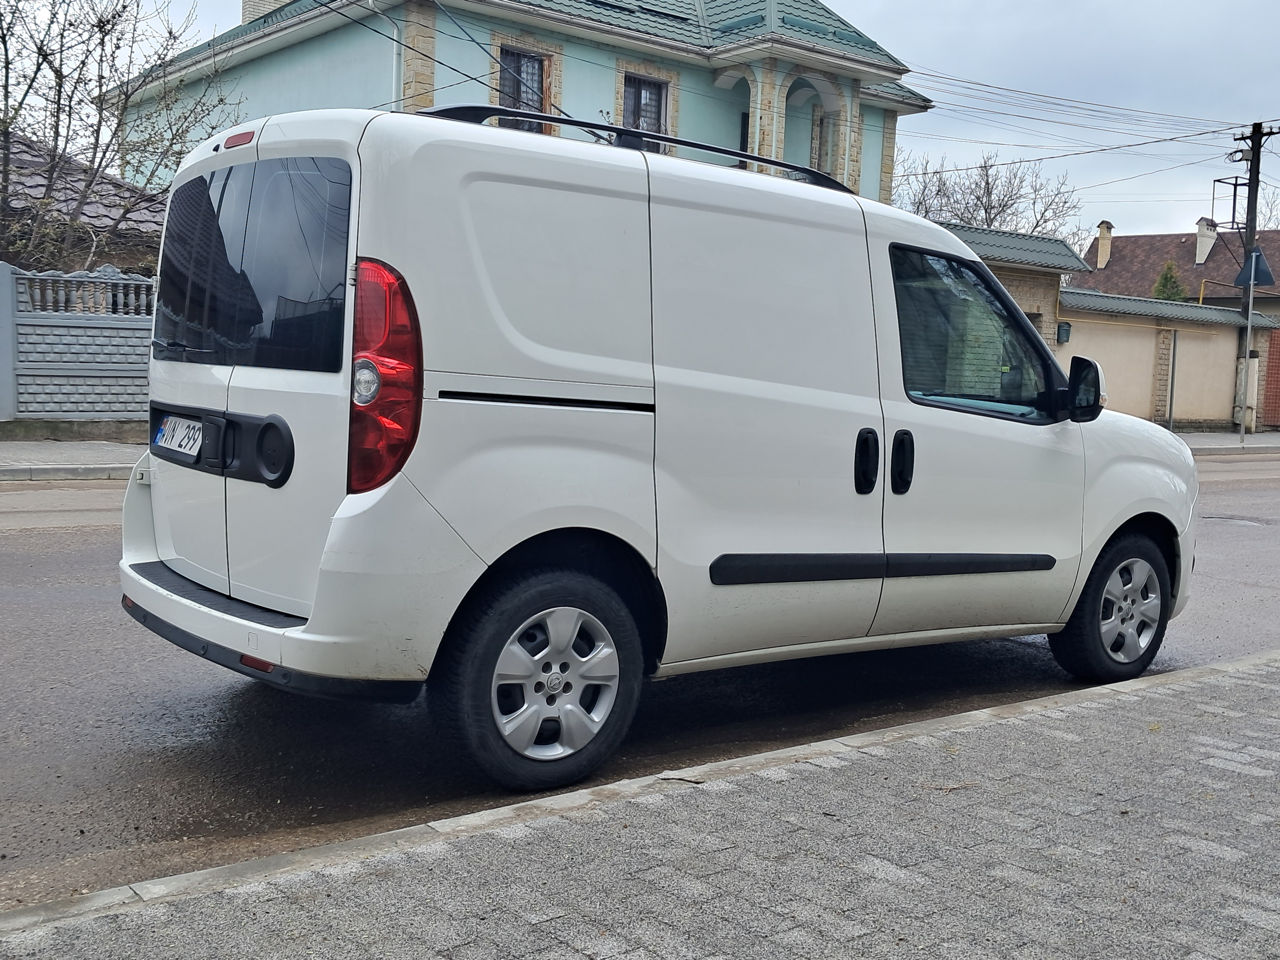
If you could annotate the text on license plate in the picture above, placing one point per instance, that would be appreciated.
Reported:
(180, 434)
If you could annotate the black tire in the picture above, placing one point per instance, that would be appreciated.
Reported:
(467, 700)
(1124, 650)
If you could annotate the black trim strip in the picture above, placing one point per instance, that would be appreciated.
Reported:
(950, 564)
(740, 568)
(311, 684)
(158, 573)
(736, 568)
(546, 401)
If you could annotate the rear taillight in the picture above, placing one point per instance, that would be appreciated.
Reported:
(386, 377)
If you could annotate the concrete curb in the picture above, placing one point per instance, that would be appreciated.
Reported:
(220, 878)
(1236, 450)
(69, 471)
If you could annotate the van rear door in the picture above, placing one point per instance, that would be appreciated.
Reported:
(199, 293)
(267, 370)
(290, 391)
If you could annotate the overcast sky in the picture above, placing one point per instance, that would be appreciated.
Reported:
(1209, 67)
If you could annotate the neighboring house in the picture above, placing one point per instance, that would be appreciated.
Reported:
(785, 79)
(1030, 267)
(1159, 357)
(1207, 261)
(112, 209)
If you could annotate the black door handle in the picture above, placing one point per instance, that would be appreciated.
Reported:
(866, 460)
(902, 466)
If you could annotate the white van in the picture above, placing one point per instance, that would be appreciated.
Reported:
(530, 419)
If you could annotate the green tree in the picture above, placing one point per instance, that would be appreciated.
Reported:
(1169, 287)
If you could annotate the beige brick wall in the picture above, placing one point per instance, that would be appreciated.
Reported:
(1160, 376)
(763, 109)
(853, 175)
(253, 9)
(886, 156)
(419, 73)
(1036, 293)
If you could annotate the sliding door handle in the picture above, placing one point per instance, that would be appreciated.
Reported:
(902, 465)
(866, 460)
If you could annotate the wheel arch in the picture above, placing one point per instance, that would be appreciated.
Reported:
(1157, 528)
(1160, 531)
(600, 554)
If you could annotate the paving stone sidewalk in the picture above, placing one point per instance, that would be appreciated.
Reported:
(1141, 820)
(67, 459)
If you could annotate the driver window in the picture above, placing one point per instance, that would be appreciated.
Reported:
(960, 346)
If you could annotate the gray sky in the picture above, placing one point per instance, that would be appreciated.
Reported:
(1176, 57)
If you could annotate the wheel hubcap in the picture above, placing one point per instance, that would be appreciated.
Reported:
(1131, 607)
(555, 683)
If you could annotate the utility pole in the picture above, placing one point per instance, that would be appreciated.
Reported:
(1253, 154)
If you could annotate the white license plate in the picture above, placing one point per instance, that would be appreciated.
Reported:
(180, 434)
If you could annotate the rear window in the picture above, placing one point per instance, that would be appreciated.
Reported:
(253, 270)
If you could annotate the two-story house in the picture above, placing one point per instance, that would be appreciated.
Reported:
(785, 79)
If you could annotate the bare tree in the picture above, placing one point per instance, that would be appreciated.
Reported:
(1015, 196)
(1268, 208)
(92, 123)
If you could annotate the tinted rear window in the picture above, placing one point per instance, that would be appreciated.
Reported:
(254, 266)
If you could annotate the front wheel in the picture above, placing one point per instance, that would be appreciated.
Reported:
(1119, 621)
(540, 680)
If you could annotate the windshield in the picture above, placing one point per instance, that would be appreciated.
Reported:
(253, 268)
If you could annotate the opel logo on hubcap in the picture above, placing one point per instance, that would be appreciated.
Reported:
(554, 683)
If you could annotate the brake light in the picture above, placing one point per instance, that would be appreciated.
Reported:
(238, 139)
(386, 377)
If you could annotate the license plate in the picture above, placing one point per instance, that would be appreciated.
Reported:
(180, 434)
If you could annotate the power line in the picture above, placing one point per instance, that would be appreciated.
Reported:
(924, 71)
(1081, 153)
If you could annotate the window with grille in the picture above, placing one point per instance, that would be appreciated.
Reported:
(644, 104)
(522, 86)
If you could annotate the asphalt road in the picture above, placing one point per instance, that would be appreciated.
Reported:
(123, 758)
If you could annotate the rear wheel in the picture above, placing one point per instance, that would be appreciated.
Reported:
(540, 680)
(1119, 622)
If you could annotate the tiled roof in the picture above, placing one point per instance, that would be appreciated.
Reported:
(32, 167)
(1025, 249)
(1137, 262)
(1075, 299)
(892, 90)
(702, 23)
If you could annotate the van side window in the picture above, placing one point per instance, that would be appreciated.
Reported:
(961, 347)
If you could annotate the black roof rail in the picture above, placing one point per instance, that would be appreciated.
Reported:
(623, 136)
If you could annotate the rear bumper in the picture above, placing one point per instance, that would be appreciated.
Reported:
(393, 691)
(391, 576)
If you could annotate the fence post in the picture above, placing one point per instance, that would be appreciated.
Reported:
(8, 344)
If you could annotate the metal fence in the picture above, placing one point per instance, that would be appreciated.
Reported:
(74, 346)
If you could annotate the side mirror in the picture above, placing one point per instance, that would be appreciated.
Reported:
(1086, 390)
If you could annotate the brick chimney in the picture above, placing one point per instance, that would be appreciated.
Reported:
(1104, 242)
(253, 9)
(1206, 234)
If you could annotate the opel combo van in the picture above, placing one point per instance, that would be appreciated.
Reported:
(525, 420)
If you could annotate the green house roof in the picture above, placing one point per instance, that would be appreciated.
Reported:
(1023, 249)
(891, 90)
(1072, 299)
(708, 24)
